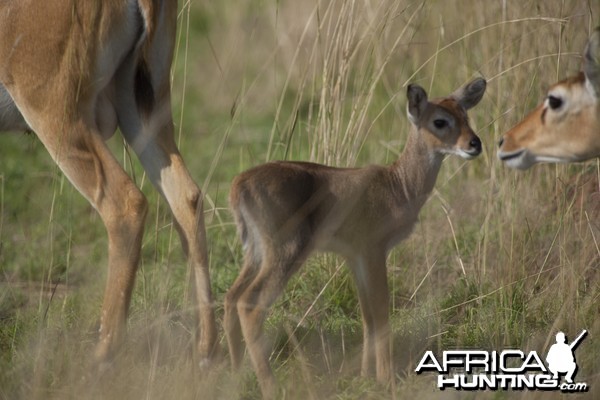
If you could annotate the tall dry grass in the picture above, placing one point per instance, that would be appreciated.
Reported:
(500, 258)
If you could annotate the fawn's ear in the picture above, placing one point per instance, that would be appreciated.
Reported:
(591, 61)
(470, 94)
(417, 102)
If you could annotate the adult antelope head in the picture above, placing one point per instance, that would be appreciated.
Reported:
(566, 126)
(72, 72)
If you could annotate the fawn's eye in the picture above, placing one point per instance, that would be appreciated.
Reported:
(440, 123)
(555, 102)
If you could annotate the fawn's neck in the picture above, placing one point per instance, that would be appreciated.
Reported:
(416, 170)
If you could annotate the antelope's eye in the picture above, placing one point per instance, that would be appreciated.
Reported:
(554, 102)
(440, 123)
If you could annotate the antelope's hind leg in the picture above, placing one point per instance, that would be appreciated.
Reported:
(82, 155)
(231, 319)
(144, 113)
(279, 263)
(151, 136)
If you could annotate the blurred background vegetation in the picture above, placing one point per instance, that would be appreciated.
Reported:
(500, 258)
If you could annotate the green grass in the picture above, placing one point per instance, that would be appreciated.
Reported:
(500, 258)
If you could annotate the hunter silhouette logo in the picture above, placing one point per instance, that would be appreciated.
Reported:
(509, 369)
(561, 358)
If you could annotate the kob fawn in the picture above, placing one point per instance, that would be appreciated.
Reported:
(285, 210)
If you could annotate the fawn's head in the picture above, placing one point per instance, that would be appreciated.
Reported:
(566, 126)
(443, 122)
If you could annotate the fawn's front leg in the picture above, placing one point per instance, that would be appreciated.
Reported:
(371, 280)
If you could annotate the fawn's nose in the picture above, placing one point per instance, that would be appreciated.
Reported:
(475, 144)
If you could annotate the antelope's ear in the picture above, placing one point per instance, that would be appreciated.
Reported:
(417, 102)
(591, 61)
(470, 94)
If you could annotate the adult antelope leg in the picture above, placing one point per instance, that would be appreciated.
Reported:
(96, 66)
(169, 174)
(81, 154)
(148, 128)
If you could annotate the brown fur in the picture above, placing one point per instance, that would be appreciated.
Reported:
(70, 71)
(569, 133)
(287, 210)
